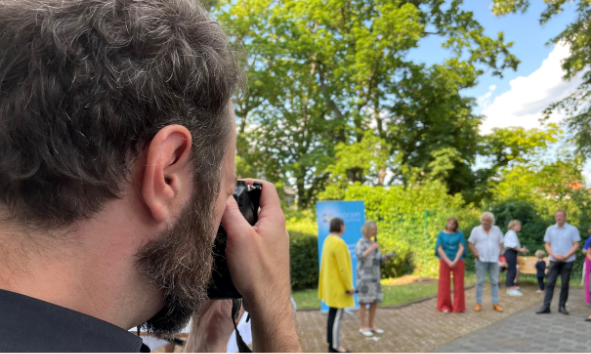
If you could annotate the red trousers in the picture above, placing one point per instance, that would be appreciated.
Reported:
(444, 291)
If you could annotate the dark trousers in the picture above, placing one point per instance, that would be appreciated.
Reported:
(511, 257)
(334, 327)
(541, 283)
(564, 270)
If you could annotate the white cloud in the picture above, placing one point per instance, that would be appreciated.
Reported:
(484, 100)
(524, 103)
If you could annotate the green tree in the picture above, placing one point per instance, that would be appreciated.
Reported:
(326, 72)
(577, 36)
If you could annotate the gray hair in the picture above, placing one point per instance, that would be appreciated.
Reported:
(367, 226)
(490, 215)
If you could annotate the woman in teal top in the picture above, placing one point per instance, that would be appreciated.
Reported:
(451, 249)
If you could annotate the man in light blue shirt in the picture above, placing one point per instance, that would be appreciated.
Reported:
(562, 241)
(486, 242)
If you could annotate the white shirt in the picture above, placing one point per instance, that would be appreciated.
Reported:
(511, 240)
(487, 245)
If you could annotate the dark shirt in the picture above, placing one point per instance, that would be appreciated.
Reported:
(540, 269)
(31, 325)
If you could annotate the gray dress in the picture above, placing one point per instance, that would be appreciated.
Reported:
(369, 288)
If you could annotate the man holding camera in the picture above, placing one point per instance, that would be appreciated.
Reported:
(117, 145)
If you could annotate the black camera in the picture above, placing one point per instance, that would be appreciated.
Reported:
(221, 286)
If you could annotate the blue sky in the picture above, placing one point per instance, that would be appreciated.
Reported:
(529, 43)
(518, 98)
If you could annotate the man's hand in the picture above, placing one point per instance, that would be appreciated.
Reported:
(477, 256)
(212, 328)
(258, 261)
(558, 258)
(453, 263)
(351, 292)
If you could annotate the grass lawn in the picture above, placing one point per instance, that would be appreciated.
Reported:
(393, 295)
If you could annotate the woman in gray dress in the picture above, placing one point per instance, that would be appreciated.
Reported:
(369, 289)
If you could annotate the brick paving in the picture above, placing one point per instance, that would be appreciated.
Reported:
(528, 332)
(419, 327)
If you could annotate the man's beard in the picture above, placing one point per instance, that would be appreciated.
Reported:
(179, 262)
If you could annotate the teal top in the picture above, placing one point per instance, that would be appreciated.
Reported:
(451, 244)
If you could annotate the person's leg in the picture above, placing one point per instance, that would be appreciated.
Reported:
(336, 330)
(362, 315)
(565, 278)
(493, 271)
(586, 276)
(511, 257)
(443, 290)
(372, 314)
(480, 274)
(458, 273)
(541, 283)
(550, 283)
(332, 312)
(516, 275)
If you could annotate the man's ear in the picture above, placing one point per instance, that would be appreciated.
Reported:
(167, 179)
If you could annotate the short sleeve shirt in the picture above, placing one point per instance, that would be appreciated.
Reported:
(561, 240)
(511, 240)
(487, 245)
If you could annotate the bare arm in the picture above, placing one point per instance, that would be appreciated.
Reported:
(443, 255)
(371, 248)
(549, 251)
(460, 252)
(572, 251)
(473, 250)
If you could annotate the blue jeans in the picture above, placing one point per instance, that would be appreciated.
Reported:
(493, 274)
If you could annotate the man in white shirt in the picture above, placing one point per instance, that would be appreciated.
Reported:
(562, 242)
(486, 243)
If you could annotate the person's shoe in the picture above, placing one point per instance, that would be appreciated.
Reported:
(478, 307)
(513, 292)
(377, 330)
(333, 350)
(517, 287)
(497, 307)
(540, 291)
(588, 319)
(562, 310)
(365, 332)
(445, 311)
(543, 309)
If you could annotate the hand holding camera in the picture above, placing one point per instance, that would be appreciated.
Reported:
(258, 262)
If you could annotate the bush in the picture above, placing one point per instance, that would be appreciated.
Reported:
(303, 249)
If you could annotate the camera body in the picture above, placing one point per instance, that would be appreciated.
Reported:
(221, 286)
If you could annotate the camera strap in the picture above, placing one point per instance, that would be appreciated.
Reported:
(242, 347)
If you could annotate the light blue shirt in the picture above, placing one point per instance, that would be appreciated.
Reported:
(561, 240)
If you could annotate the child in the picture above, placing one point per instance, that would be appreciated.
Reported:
(540, 270)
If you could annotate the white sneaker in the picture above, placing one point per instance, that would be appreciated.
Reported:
(514, 293)
(365, 333)
(377, 330)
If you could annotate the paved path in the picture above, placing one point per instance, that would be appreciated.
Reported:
(420, 328)
(528, 332)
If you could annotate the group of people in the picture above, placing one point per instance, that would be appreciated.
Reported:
(488, 244)
(490, 248)
(336, 287)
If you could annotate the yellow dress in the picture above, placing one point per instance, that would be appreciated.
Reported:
(336, 274)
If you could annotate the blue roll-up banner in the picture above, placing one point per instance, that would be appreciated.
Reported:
(353, 214)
